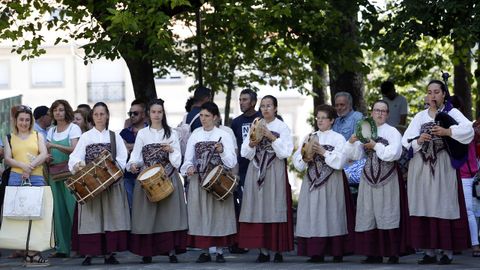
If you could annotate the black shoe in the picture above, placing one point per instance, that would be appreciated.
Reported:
(278, 258)
(316, 259)
(236, 250)
(262, 258)
(428, 260)
(337, 259)
(111, 260)
(444, 260)
(146, 259)
(87, 261)
(172, 259)
(203, 258)
(392, 260)
(219, 258)
(372, 259)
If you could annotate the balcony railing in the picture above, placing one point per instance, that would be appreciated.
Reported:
(106, 91)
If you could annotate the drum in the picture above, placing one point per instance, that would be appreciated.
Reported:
(366, 129)
(94, 178)
(307, 147)
(220, 183)
(155, 183)
(256, 133)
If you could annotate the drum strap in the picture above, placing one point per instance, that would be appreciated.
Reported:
(113, 145)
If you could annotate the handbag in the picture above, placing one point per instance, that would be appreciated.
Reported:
(36, 235)
(23, 202)
(59, 171)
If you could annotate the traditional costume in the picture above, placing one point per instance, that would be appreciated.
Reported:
(165, 229)
(325, 213)
(104, 221)
(266, 213)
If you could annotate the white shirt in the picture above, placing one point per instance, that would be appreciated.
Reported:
(333, 158)
(283, 145)
(94, 136)
(229, 158)
(72, 132)
(390, 152)
(146, 136)
(463, 132)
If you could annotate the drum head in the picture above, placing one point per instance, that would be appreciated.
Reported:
(210, 175)
(366, 129)
(149, 172)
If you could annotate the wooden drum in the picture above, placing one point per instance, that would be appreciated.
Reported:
(155, 183)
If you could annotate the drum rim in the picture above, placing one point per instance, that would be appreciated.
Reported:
(205, 182)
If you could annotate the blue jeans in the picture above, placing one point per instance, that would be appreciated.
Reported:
(16, 180)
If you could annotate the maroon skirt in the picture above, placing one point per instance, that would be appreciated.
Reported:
(336, 245)
(273, 236)
(387, 243)
(158, 243)
(199, 241)
(438, 233)
(96, 244)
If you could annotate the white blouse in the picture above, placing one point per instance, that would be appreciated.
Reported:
(283, 146)
(72, 132)
(229, 158)
(390, 152)
(94, 136)
(146, 136)
(333, 158)
(463, 132)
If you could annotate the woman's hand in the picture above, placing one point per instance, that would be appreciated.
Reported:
(370, 145)
(219, 147)
(317, 148)
(268, 134)
(252, 144)
(134, 168)
(25, 175)
(424, 137)
(440, 131)
(190, 171)
(167, 148)
(353, 139)
(49, 145)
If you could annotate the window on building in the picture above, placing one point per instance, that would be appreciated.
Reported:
(4, 75)
(47, 73)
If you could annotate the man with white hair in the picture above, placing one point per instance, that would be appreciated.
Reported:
(347, 118)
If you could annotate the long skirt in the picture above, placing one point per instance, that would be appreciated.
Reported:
(160, 227)
(63, 211)
(337, 245)
(210, 222)
(391, 242)
(102, 224)
(276, 236)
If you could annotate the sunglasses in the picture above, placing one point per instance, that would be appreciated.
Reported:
(23, 108)
(133, 114)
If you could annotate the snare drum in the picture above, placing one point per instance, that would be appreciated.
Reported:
(155, 183)
(94, 178)
(220, 183)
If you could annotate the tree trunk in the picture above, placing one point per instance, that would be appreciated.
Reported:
(461, 76)
(143, 80)
(319, 85)
(230, 87)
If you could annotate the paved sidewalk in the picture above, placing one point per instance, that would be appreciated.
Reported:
(129, 261)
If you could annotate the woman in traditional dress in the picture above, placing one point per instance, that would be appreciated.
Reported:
(382, 200)
(104, 221)
(325, 213)
(25, 152)
(61, 140)
(266, 213)
(438, 218)
(211, 223)
(165, 231)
